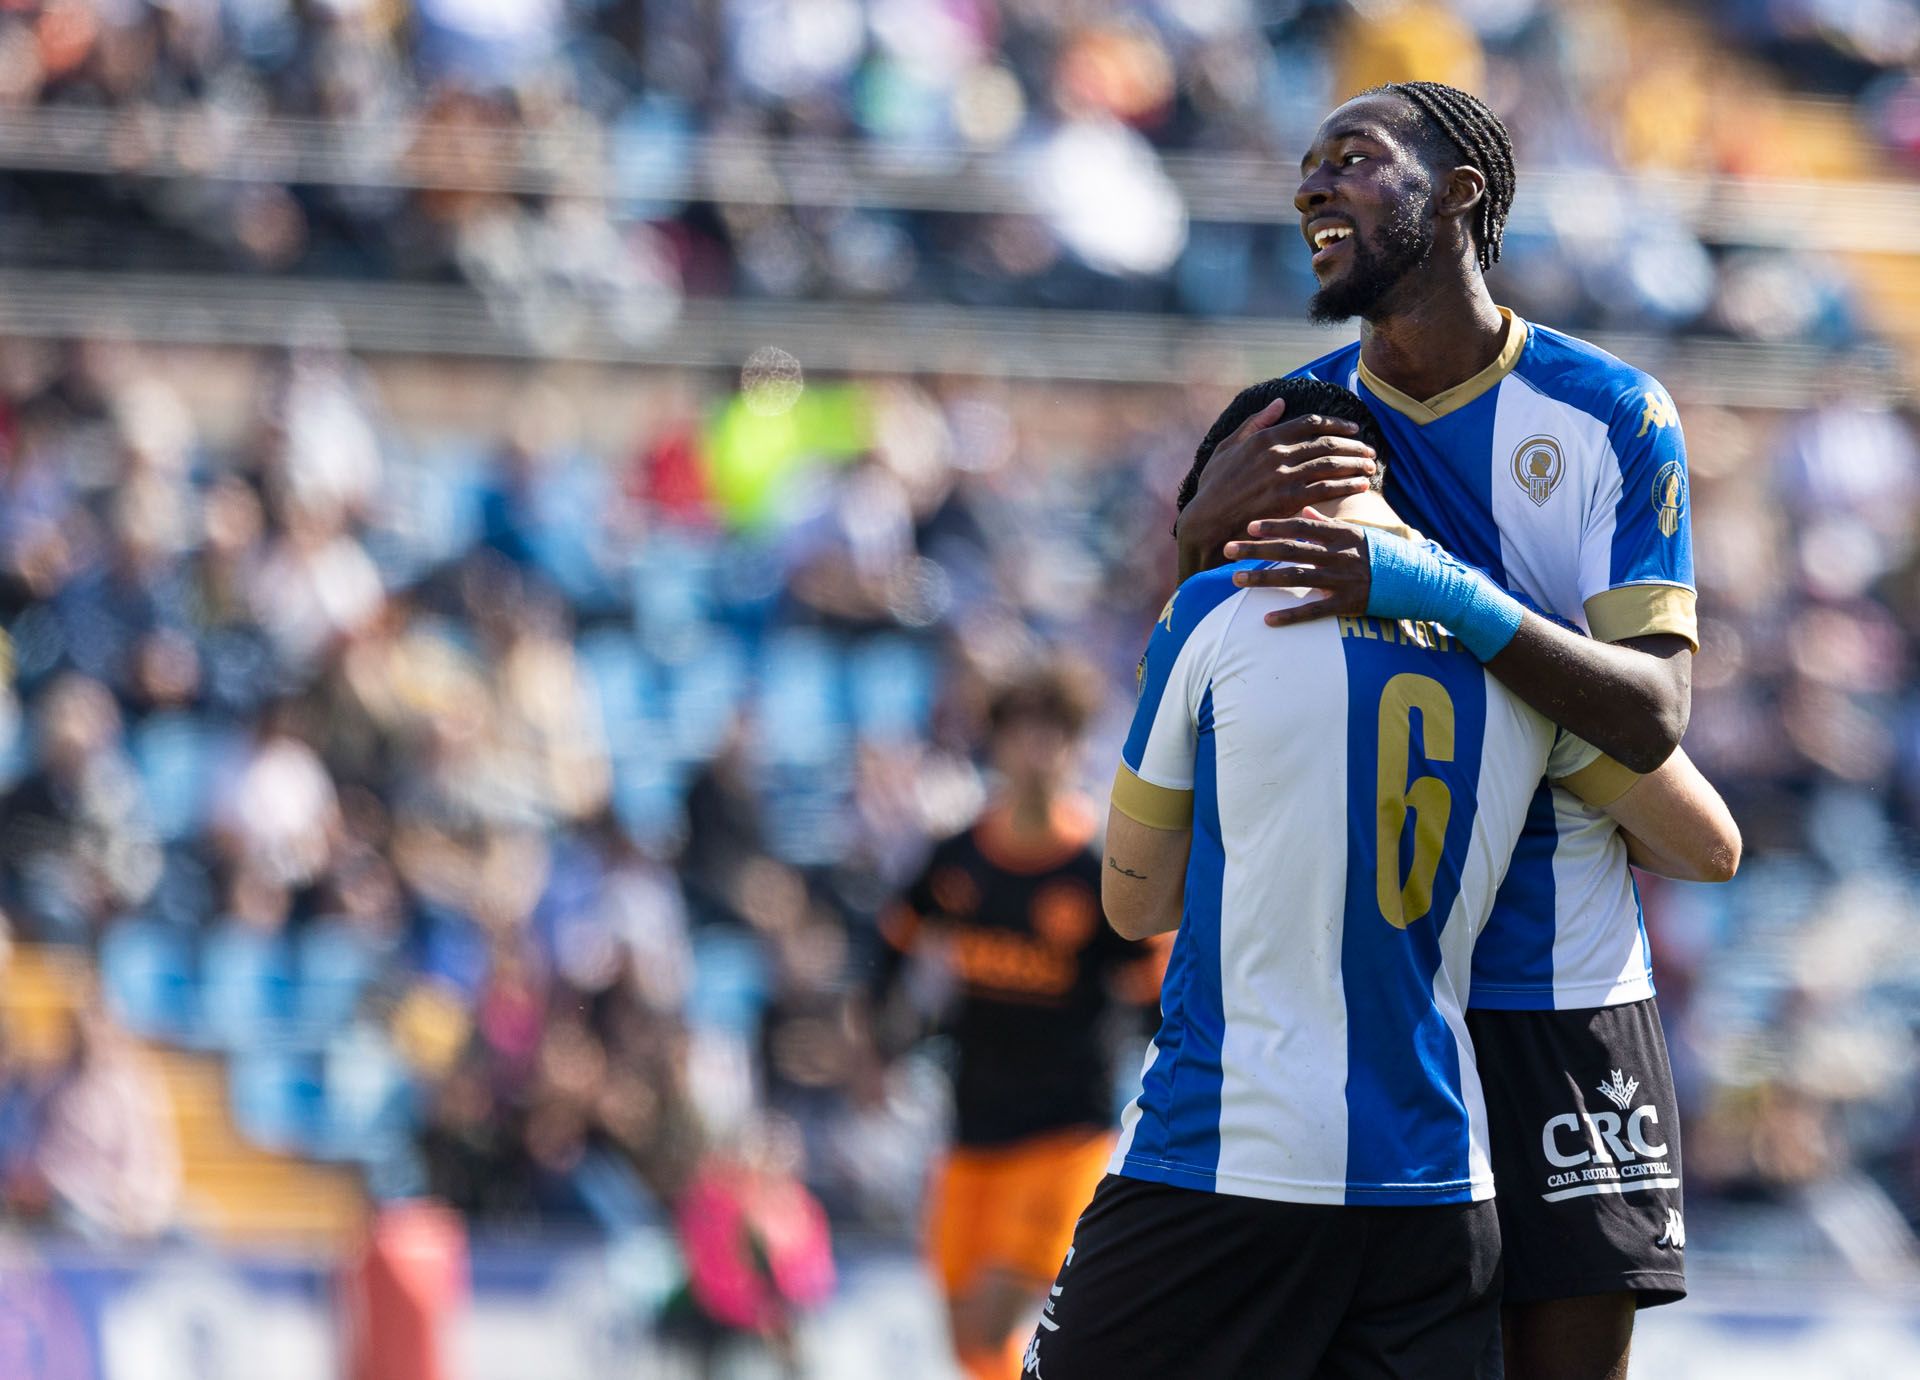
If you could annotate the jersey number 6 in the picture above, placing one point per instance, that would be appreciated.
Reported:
(1427, 796)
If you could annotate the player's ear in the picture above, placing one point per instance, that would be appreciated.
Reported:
(1461, 191)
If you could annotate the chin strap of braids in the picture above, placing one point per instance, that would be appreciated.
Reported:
(1483, 143)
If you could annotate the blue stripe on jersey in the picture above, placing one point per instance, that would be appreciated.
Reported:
(1342, 367)
(1642, 551)
(1640, 919)
(1407, 1120)
(1191, 603)
(1177, 1139)
(1440, 481)
(1518, 940)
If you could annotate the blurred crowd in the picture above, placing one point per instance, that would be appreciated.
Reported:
(601, 155)
(512, 806)
(603, 761)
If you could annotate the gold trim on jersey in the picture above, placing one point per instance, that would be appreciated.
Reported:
(1397, 527)
(1458, 396)
(1642, 610)
(1157, 807)
(1601, 782)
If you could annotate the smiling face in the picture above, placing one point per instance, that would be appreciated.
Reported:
(1367, 203)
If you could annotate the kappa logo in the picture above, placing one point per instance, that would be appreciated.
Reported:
(1675, 1236)
(1538, 467)
(1620, 1092)
(1658, 413)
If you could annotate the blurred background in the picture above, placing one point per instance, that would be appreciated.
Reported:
(510, 511)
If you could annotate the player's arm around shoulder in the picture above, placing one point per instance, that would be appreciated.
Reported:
(1675, 823)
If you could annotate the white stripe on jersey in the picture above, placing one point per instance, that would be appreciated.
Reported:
(1536, 538)
(1267, 966)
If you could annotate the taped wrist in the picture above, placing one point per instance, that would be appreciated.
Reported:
(1424, 583)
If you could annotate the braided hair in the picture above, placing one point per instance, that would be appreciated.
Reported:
(1479, 140)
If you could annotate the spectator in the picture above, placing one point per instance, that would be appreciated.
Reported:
(77, 849)
(106, 1149)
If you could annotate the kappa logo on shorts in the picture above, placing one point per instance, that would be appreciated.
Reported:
(1606, 1151)
(1675, 1236)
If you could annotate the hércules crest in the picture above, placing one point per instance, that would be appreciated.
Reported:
(1670, 496)
(1538, 467)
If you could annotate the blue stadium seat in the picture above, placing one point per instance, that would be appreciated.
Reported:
(801, 704)
(334, 964)
(891, 686)
(648, 795)
(16, 748)
(703, 696)
(729, 981)
(146, 972)
(176, 756)
(624, 682)
(366, 1110)
(246, 985)
(672, 595)
(276, 1097)
(430, 510)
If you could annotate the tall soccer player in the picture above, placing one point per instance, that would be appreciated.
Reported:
(1559, 472)
(1007, 916)
(1325, 813)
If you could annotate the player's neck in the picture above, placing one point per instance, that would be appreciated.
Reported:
(1369, 508)
(1434, 332)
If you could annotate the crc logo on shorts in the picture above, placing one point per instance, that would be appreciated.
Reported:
(1618, 1149)
(1670, 496)
(1538, 467)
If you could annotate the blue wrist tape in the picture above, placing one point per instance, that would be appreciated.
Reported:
(1424, 583)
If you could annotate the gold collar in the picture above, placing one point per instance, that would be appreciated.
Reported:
(1458, 396)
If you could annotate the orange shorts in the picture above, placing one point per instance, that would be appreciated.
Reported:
(1012, 1208)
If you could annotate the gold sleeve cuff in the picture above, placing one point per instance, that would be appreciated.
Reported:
(1642, 610)
(1601, 782)
(1157, 807)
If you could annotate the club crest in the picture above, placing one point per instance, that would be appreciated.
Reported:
(1670, 496)
(1538, 466)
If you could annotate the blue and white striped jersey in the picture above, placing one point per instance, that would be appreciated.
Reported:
(1355, 787)
(1559, 470)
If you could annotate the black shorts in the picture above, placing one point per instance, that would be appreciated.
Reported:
(1164, 1281)
(1586, 1151)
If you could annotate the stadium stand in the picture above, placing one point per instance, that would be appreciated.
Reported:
(504, 531)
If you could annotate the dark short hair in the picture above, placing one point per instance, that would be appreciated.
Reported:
(1059, 689)
(1305, 397)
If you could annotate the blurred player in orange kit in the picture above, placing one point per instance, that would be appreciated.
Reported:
(1000, 943)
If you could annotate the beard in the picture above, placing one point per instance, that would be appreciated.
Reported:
(1401, 246)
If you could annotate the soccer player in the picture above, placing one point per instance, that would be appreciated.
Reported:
(1560, 472)
(1009, 913)
(1325, 813)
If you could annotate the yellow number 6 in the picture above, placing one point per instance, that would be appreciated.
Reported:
(1428, 797)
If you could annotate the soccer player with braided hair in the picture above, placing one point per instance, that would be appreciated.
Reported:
(1545, 466)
